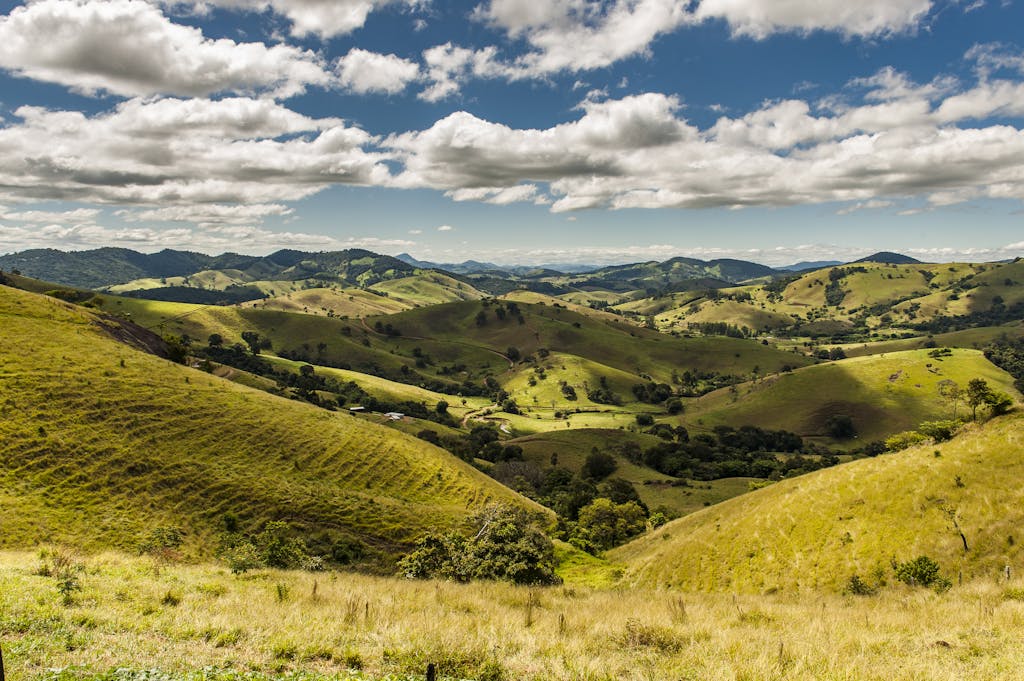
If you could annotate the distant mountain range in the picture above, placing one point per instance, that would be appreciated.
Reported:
(105, 267)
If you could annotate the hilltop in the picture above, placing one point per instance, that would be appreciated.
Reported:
(818, 530)
(103, 443)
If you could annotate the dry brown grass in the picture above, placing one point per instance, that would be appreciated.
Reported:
(185, 618)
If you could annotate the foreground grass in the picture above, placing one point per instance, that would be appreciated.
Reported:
(200, 622)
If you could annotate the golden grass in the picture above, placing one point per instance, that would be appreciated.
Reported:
(816, 531)
(179, 619)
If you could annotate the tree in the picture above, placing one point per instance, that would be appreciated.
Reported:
(598, 465)
(950, 391)
(607, 524)
(840, 426)
(252, 339)
(978, 393)
(442, 407)
(215, 340)
(506, 544)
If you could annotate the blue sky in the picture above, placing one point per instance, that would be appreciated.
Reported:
(516, 131)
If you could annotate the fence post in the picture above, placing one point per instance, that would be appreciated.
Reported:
(431, 673)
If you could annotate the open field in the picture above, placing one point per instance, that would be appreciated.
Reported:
(202, 624)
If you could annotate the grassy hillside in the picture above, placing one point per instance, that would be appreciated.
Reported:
(816, 531)
(615, 344)
(102, 442)
(339, 302)
(883, 394)
(427, 288)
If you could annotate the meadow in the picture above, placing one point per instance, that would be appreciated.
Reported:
(136, 619)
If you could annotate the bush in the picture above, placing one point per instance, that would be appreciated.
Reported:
(858, 587)
(506, 544)
(598, 465)
(922, 571)
(901, 441)
(644, 420)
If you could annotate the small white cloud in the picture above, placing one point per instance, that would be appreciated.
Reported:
(362, 72)
(445, 228)
(415, 231)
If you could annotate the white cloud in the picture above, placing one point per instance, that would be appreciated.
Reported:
(77, 216)
(448, 66)
(496, 195)
(362, 71)
(182, 152)
(415, 231)
(760, 18)
(130, 48)
(208, 215)
(575, 35)
(324, 18)
(637, 152)
(873, 204)
(446, 228)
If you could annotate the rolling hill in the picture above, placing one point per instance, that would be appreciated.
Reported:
(103, 442)
(818, 530)
(883, 394)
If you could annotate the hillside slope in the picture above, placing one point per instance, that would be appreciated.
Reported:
(101, 442)
(882, 394)
(817, 530)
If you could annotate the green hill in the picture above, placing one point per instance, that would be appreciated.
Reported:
(882, 394)
(818, 530)
(102, 442)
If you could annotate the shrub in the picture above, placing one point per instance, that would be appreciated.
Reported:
(921, 571)
(901, 441)
(506, 544)
(858, 587)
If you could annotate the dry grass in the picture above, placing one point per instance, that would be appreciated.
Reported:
(182, 619)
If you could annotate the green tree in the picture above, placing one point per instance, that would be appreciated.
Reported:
(951, 392)
(978, 393)
(506, 544)
(252, 339)
(606, 524)
(598, 465)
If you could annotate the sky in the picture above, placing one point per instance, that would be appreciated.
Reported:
(516, 131)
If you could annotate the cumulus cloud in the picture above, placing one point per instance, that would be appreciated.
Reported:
(759, 19)
(208, 215)
(324, 18)
(130, 48)
(579, 35)
(77, 216)
(637, 152)
(446, 228)
(362, 72)
(448, 66)
(182, 152)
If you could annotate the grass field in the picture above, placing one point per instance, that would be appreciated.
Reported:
(199, 623)
(883, 394)
(427, 288)
(818, 530)
(101, 443)
(340, 302)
